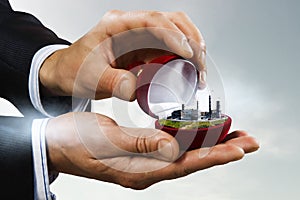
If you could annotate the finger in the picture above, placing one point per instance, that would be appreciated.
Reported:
(247, 143)
(118, 83)
(190, 162)
(155, 22)
(235, 134)
(136, 58)
(196, 41)
(103, 138)
(145, 142)
(185, 24)
(187, 164)
(194, 161)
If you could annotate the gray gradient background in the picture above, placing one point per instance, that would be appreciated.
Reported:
(256, 47)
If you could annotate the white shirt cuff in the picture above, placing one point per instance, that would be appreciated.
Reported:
(33, 83)
(41, 176)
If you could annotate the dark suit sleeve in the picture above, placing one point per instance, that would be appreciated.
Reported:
(16, 168)
(21, 36)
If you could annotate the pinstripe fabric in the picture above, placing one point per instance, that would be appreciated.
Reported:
(21, 36)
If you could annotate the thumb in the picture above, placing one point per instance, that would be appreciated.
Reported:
(146, 142)
(118, 83)
(103, 138)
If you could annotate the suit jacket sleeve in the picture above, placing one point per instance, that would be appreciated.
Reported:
(21, 36)
(16, 168)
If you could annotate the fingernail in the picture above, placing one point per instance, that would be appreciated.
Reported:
(202, 58)
(165, 149)
(202, 81)
(186, 47)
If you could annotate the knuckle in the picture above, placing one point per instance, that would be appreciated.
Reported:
(156, 14)
(186, 171)
(203, 46)
(230, 148)
(113, 13)
(115, 79)
(141, 145)
(108, 82)
(234, 153)
(181, 14)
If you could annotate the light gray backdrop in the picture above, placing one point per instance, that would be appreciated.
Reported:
(255, 45)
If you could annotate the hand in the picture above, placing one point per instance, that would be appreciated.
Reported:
(95, 66)
(94, 146)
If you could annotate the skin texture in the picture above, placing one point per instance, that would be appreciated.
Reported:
(105, 48)
(94, 146)
(132, 157)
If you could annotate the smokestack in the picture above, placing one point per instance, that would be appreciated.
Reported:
(210, 111)
(218, 106)
(218, 109)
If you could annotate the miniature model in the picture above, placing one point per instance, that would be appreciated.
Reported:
(193, 118)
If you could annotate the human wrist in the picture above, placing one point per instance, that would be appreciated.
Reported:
(52, 146)
(59, 134)
(49, 75)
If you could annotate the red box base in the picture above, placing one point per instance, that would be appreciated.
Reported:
(190, 139)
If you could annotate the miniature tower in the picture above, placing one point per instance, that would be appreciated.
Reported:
(210, 111)
(195, 113)
(218, 110)
(182, 113)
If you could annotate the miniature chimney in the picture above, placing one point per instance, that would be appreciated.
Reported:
(218, 109)
(210, 111)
